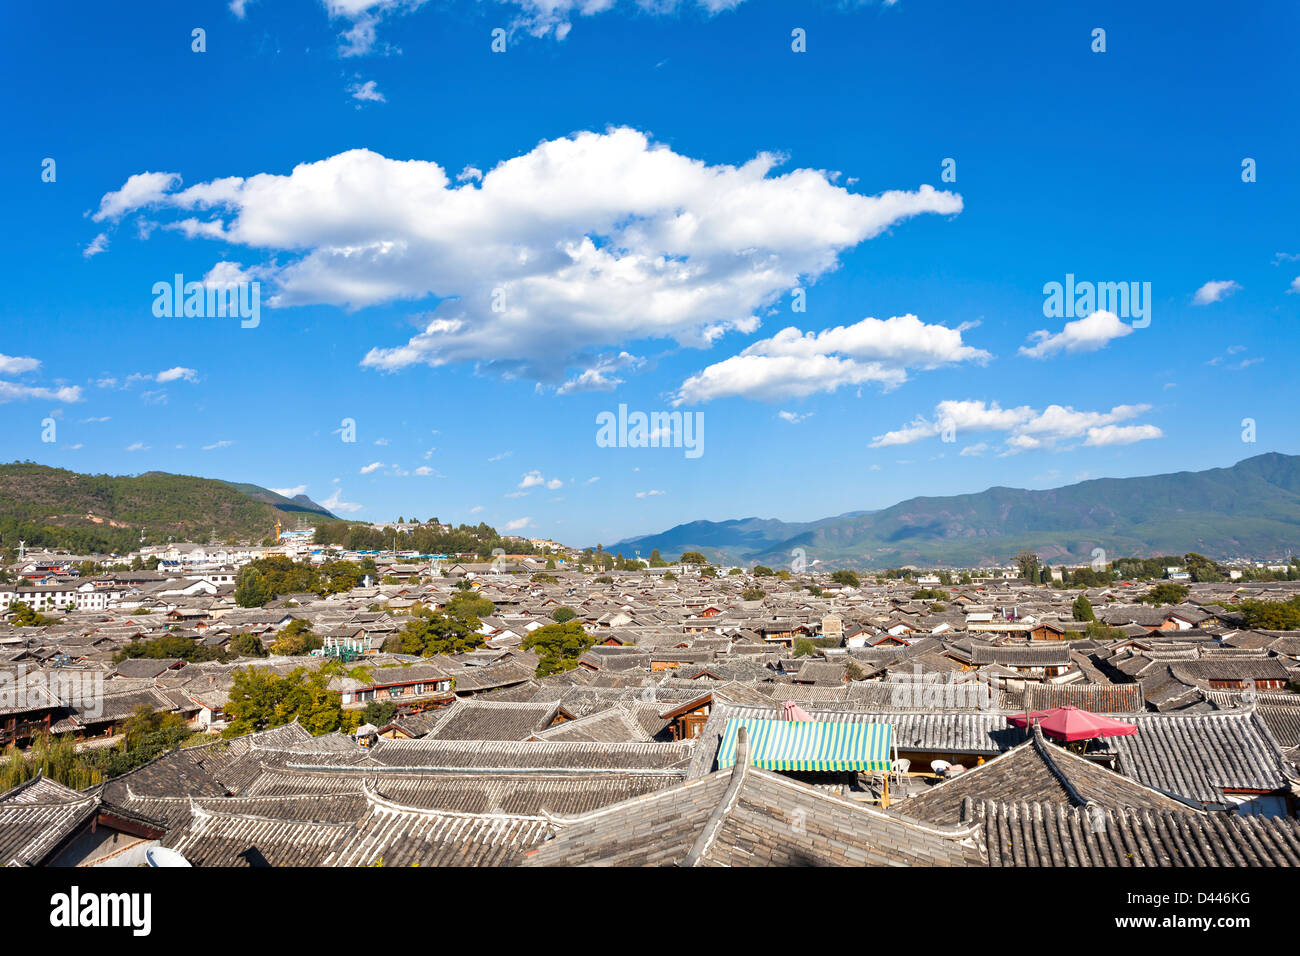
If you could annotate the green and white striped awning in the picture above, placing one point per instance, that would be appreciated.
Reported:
(808, 745)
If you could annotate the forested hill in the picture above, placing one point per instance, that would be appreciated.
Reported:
(1251, 509)
(57, 508)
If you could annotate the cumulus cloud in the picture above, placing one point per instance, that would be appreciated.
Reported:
(650, 494)
(1121, 434)
(139, 191)
(535, 479)
(291, 492)
(177, 374)
(18, 364)
(1214, 291)
(336, 503)
(1082, 335)
(518, 524)
(13, 391)
(1026, 428)
(580, 245)
(372, 467)
(367, 92)
(794, 418)
(794, 364)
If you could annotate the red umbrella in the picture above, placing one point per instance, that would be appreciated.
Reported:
(792, 711)
(1070, 723)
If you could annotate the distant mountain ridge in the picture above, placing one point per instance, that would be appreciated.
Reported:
(54, 507)
(1251, 509)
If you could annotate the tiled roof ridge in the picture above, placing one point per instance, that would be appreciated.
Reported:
(1040, 745)
(209, 813)
(387, 804)
(713, 826)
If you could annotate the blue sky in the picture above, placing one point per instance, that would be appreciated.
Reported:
(644, 188)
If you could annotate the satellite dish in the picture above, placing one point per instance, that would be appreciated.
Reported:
(161, 856)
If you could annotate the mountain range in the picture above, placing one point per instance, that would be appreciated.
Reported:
(1251, 509)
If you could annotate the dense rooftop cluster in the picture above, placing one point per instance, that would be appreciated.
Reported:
(473, 759)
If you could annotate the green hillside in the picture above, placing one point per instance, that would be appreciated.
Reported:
(53, 507)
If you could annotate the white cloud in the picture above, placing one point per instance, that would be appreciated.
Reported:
(291, 492)
(1214, 291)
(650, 494)
(598, 377)
(17, 364)
(536, 18)
(794, 364)
(12, 391)
(974, 451)
(502, 456)
(1295, 285)
(367, 92)
(93, 421)
(140, 190)
(579, 245)
(239, 8)
(518, 524)
(1026, 428)
(1121, 434)
(218, 444)
(177, 374)
(97, 245)
(372, 467)
(1082, 335)
(137, 446)
(336, 503)
(794, 418)
(534, 479)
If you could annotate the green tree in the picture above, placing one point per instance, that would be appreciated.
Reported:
(1166, 592)
(753, 594)
(1202, 568)
(251, 589)
(1272, 615)
(23, 616)
(558, 645)
(469, 609)
(846, 578)
(763, 571)
(296, 639)
(260, 699)
(247, 645)
(432, 633)
(692, 557)
(1083, 609)
(562, 614)
(1027, 562)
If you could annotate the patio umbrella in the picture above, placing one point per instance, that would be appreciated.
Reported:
(792, 711)
(1070, 723)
